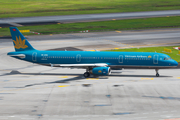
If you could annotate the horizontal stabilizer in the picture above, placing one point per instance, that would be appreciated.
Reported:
(18, 55)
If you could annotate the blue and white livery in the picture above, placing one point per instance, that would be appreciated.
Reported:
(97, 63)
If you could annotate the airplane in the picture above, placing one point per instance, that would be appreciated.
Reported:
(95, 62)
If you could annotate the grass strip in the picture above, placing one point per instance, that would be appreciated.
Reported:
(174, 55)
(131, 24)
(27, 8)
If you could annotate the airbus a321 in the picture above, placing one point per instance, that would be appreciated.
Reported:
(96, 63)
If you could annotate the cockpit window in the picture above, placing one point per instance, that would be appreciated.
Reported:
(167, 58)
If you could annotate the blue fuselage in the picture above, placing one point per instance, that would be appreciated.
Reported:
(112, 59)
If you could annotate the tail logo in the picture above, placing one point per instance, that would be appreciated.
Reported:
(19, 43)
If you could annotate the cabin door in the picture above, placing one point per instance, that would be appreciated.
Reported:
(120, 59)
(34, 56)
(155, 59)
(78, 58)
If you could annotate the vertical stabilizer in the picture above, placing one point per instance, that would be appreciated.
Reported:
(19, 41)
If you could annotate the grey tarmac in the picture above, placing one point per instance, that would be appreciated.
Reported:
(33, 92)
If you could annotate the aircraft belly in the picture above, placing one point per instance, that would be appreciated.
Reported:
(140, 67)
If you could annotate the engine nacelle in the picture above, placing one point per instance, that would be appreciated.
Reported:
(101, 70)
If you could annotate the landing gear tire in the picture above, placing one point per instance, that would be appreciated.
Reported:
(86, 74)
(157, 75)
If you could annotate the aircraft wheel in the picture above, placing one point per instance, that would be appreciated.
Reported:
(86, 74)
(157, 75)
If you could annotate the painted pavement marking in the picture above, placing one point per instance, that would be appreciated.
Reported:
(118, 31)
(64, 77)
(64, 86)
(147, 78)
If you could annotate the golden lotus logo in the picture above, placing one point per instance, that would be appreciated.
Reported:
(19, 43)
(99, 71)
(149, 56)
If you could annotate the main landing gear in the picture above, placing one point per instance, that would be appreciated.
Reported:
(87, 74)
(157, 74)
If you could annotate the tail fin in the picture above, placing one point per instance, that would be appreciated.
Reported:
(19, 41)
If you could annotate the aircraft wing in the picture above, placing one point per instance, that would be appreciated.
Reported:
(80, 65)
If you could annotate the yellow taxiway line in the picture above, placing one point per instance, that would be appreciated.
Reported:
(147, 78)
(64, 77)
(63, 85)
(118, 31)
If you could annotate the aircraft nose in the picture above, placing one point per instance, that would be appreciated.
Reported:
(175, 63)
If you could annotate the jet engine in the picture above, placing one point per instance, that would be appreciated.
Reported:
(101, 71)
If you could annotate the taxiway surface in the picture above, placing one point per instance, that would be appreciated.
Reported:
(30, 91)
(84, 18)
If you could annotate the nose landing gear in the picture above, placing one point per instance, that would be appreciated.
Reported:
(157, 74)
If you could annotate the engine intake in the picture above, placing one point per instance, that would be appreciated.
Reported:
(101, 71)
